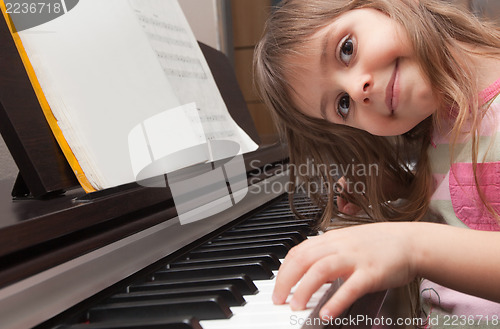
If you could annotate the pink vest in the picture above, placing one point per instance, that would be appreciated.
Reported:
(457, 201)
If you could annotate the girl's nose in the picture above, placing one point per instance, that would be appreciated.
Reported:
(361, 89)
(366, 86)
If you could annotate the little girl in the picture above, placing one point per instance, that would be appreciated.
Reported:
(411, 86)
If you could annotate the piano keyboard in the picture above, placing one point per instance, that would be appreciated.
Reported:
(225, 283)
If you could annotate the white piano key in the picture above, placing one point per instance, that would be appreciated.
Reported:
(260, 312)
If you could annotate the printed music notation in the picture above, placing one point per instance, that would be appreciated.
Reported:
(171, 41)
(184, 67)
(172, 46)
(152, 21)
(216, 135)
(213, 118)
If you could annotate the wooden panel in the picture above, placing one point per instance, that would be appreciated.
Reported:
(244, 73)
(248, 20)
(263, 121)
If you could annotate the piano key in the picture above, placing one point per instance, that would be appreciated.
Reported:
(228, 292)
(260, 312)
(279, 249)
(291, 241)
(244, 284)
(300, 236)
(180, 323)
(304, 211)
(269, 229)
(204, 308)
(283, 222)
(255, 270)
(291, 223)
(271, 260)
(279, 219)
(285, 207)
(282, 211)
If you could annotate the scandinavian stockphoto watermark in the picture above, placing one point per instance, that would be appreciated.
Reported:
(311, 169)
(26, 14)
(205, 176)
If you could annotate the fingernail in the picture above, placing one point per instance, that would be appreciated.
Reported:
(325, 314)
(295, 305)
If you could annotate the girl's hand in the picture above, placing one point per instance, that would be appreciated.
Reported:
(342, 204)
(371, 257)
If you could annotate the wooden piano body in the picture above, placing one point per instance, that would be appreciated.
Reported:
(61, 250)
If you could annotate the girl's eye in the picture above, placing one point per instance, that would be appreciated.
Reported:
(343, 106)
(346, 50)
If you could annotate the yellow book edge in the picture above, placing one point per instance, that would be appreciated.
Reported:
(49, 116)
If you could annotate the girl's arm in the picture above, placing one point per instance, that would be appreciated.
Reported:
(380, 256)
(462, 259)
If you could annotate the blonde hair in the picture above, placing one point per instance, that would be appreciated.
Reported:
(436, 31)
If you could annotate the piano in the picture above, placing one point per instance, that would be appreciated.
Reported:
(120, 258)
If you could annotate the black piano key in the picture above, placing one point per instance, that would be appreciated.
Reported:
(228, 292)
(269, 229)
(286, 212)
(288, 240)
(285, 206)
(277, 219)
(274, 214)
(241, 281)
(277, 209)
(256, 270)
(270, 259)
(203, 308)
(279, 249)
(299, 236)
(306, 212)
(281, 222)
(271, 217)
(174, 323)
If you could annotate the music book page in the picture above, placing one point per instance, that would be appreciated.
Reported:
(128, 87)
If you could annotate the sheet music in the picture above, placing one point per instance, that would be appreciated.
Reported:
(188, 75)
(106, 67)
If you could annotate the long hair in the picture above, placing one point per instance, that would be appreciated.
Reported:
(433, 28)
(437, 32)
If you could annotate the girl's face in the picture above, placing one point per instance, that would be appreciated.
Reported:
(361, 71)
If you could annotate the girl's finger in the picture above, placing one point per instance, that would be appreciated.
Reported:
(325, 270)
(296, 263)
(351, 209)
(341, 202)
(355, 287)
